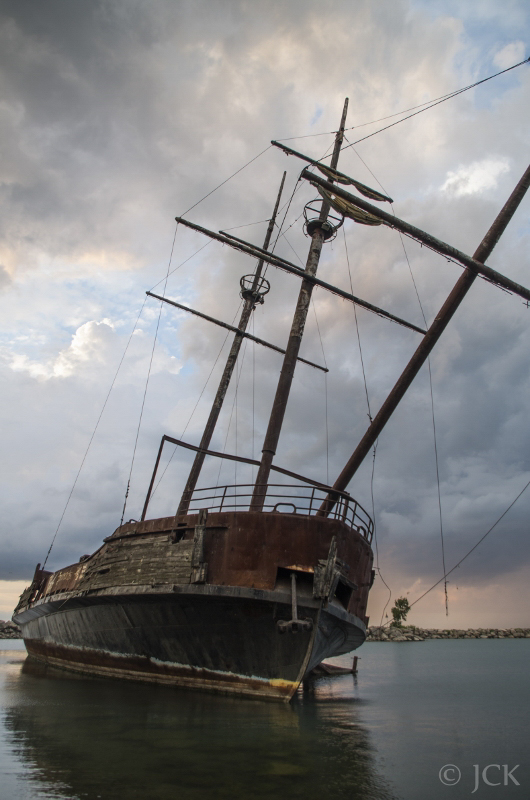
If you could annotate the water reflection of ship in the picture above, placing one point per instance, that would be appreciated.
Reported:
(86, 737)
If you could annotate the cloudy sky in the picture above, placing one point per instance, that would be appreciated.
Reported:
(117, 115)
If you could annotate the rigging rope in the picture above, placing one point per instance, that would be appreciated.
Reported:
(298, 184)
(147, 379)
(253, 394)
(237, 405)
(196, 404)
(296, 187)
(357, 328)
(311, 135)
(437, 102)
(238, 378)
(428, 103)
(453, 261)
(248, 225)
(422, 106)
(377, 567)
(438, 484)
(444, 576)
(436, 460)
(94, 433)
(477, 544)
(325, 385)
(292, 248)
(210, 241)
(226, 181)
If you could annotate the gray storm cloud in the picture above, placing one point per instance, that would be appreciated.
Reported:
(118, 116)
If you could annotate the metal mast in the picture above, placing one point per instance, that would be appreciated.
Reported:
(251, 296)
(319, 234)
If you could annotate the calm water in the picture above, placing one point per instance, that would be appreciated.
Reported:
(413, 709)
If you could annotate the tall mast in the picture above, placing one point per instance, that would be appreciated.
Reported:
(251, 297)
(319, 234)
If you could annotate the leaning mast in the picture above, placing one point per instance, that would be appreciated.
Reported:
(461, 288)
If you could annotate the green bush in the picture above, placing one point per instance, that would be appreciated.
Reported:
(400, 610)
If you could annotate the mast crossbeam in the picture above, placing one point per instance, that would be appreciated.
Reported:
(340, 176)
(233, 329)
(287, 266)
(421, 236)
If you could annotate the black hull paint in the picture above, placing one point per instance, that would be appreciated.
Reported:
(211, 637)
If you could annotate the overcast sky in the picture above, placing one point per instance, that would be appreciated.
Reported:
(117, 115)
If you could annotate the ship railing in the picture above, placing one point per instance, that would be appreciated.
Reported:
(286, 499)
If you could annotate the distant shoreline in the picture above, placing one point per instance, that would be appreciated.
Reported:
(413, 634)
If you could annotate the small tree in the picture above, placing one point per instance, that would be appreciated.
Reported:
(400, 610)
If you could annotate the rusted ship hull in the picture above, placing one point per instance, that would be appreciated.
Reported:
(232, 602)
(222, 640)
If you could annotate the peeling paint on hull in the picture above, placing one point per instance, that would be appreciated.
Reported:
(197, 641)
(144, 669)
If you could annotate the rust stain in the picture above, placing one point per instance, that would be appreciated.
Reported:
(240, 549)
(144, 669)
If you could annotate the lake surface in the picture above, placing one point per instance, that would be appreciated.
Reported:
(413, 710)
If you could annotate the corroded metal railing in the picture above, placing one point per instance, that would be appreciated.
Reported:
(285, 499)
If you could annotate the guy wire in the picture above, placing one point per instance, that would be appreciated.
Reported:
(147, 379)
(444, 576)
(325, 386)
(238, 377)
(430, 386)
(196, 404)
(94, 432)
(429, 103)
(437, 102)
(225, 181)
(378, 568)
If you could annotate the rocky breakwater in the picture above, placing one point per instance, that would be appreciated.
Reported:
(8, 630)
(412, 634)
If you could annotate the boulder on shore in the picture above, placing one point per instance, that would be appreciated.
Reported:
(9, 630)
